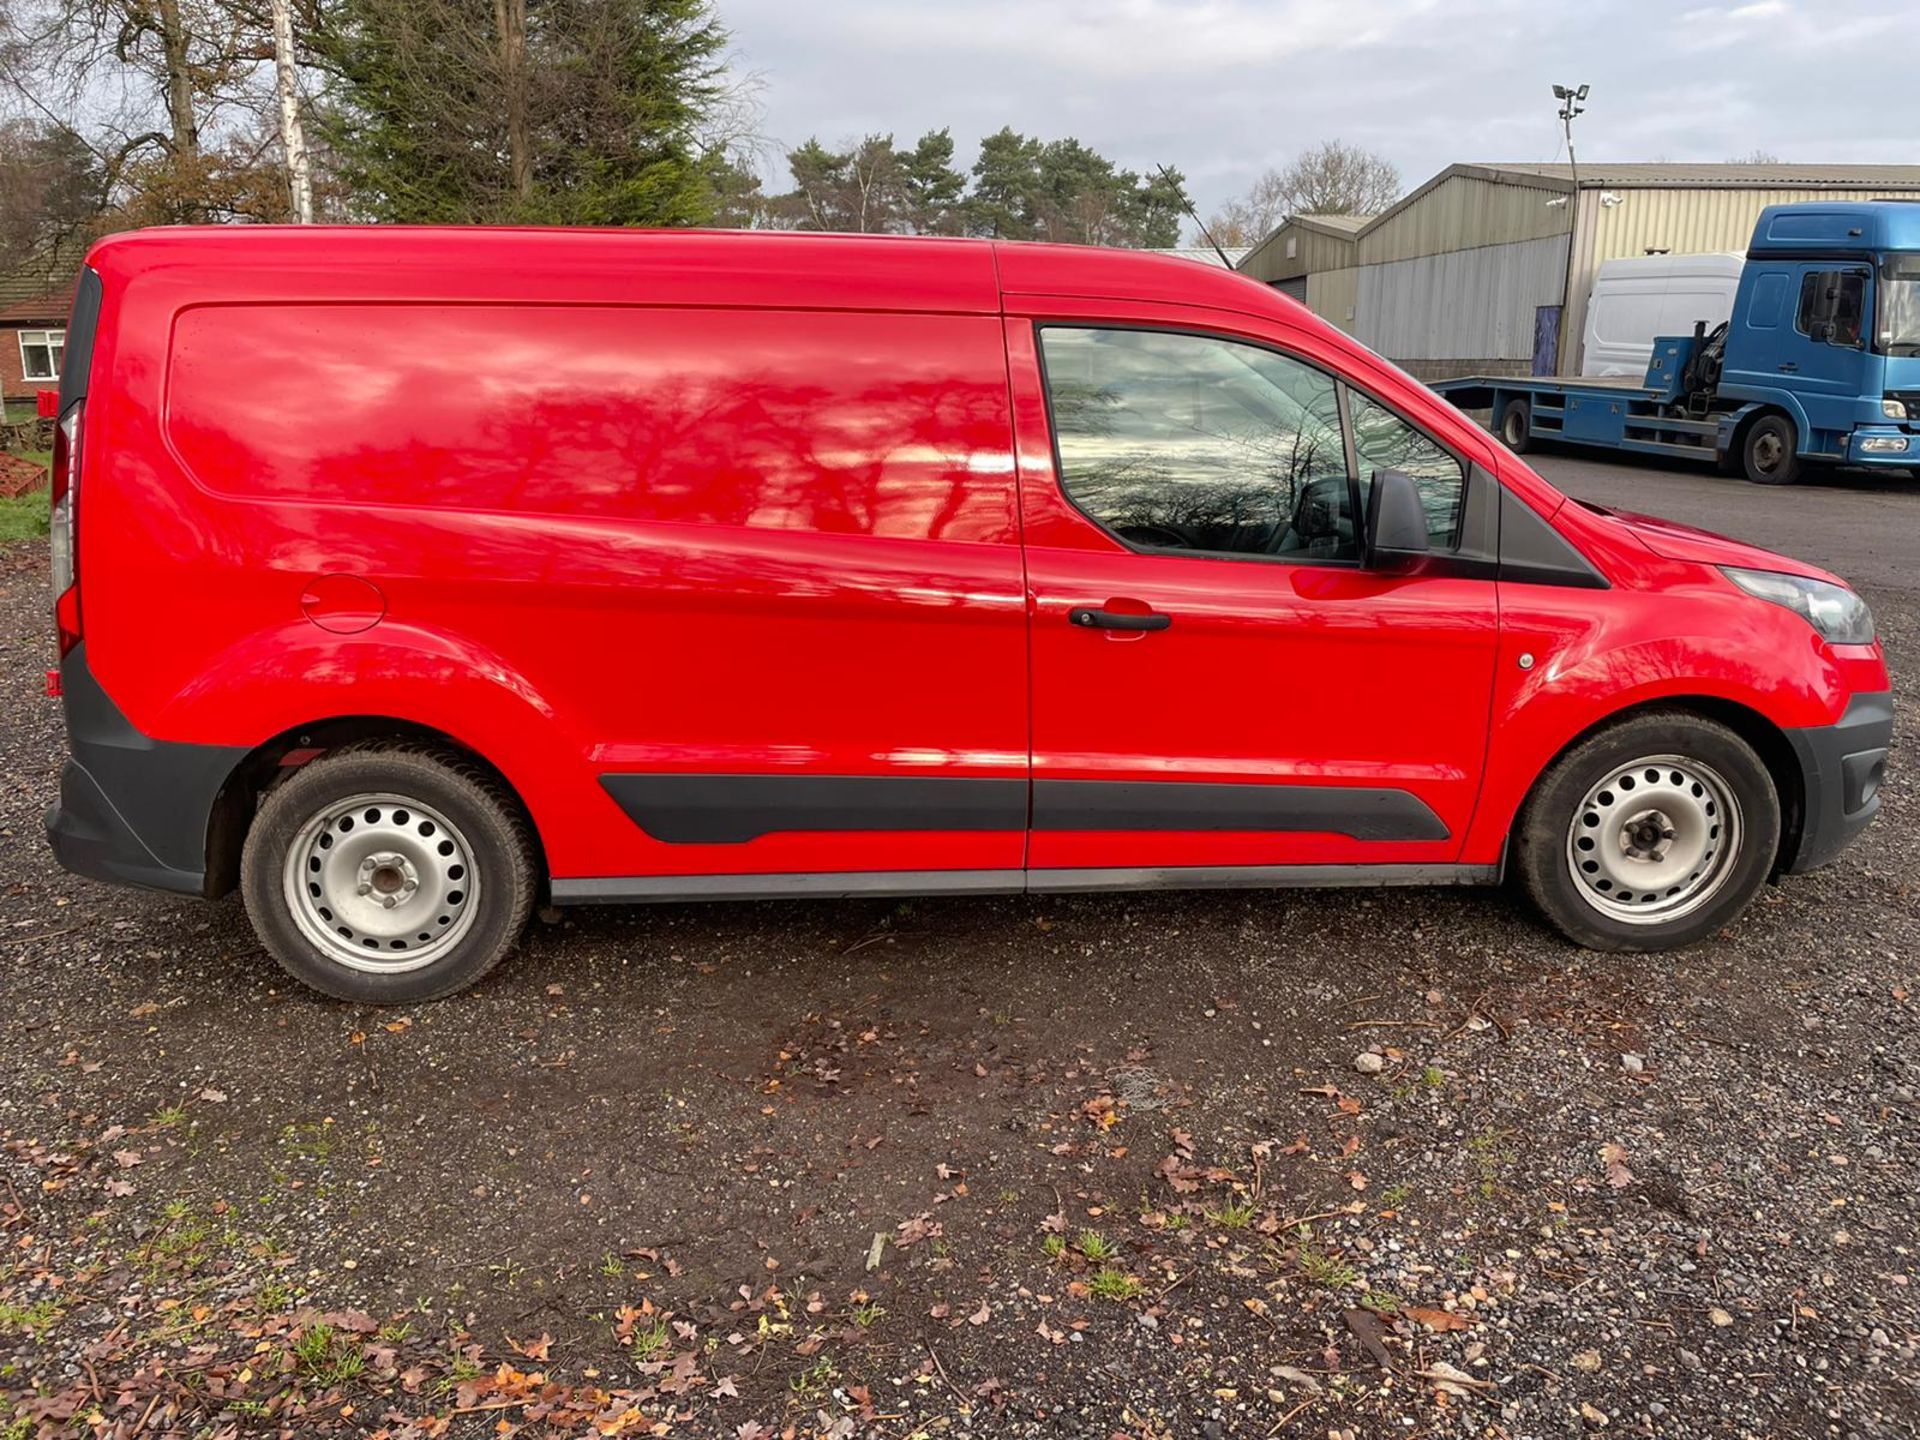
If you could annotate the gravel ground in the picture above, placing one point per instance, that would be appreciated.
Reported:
(1349, 1164)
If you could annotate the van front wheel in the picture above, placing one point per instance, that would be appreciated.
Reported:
(388, 874)
(1653, 834)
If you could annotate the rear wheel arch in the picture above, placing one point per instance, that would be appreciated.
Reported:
(267, 765)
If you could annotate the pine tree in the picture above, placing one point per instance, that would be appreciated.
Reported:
(584, 112)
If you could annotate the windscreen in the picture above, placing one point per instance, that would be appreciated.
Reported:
(1899, 326)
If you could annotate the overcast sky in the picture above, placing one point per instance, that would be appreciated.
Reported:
(1222, 89)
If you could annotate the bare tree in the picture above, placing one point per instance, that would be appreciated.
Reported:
(175, 98)
(1756, 157)
(1333, 178)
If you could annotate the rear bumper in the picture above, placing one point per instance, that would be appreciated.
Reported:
(1841, 769)
(90, 837)
(132, 810)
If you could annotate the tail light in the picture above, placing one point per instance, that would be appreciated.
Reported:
(66, 558)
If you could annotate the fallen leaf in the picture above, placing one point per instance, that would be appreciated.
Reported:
(1298, 1378)
(1614, 1157)
(532, 1349)
(1454, 1380)
(1442, 1320)
(1367, 1329)
(214, 1097)
(982, 1315)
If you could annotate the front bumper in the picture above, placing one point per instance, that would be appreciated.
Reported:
(1841, 769)
(1884, 445)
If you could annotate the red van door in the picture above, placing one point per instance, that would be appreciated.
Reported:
(1218, 681)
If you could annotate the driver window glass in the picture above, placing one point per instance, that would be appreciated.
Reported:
(1832, 306)
(1186, 442)
(1383, 441)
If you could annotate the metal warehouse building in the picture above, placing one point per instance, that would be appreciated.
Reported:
(1469, 274)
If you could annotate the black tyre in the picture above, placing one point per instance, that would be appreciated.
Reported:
(388, 874)
(1768, 451)
(1652, 834)
(1516, 426)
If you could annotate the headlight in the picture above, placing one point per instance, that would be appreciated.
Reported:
(1894, 409)
(1839, 614)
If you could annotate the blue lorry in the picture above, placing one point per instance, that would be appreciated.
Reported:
(1819, 365)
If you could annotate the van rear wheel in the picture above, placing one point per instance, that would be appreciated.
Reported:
(388, 874)
(1653, 834)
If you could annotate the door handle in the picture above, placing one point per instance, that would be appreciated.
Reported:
(1789, 367)
(1086, 617)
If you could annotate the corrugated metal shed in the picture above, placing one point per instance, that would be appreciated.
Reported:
(1461, 305)
(1691, 222)
(1458, 211)
(1734, 175)
(1334, 295)
(1206, 254)
(1302, 246)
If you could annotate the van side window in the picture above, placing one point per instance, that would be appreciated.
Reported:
(1193, 443)
(1383, 441)
(1832, 306)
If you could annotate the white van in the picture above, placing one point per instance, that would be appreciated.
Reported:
(1639, 299)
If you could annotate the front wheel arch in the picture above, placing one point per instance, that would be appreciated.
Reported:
(1766, 738)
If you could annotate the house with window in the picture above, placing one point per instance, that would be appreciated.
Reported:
(34, 299)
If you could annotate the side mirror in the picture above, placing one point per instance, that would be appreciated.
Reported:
(1396, 521)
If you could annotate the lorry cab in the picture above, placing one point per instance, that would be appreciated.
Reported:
(1826, 334)
(640, 566)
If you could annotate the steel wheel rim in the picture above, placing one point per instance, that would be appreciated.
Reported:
(1767, 450)
(1514, 426)
(381, 883)
(1654, 840)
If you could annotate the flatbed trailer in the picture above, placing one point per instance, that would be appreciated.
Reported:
(1612, 413)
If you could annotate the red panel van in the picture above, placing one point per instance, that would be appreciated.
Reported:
(409, 578)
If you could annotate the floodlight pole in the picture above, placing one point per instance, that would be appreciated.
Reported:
(1572, 105)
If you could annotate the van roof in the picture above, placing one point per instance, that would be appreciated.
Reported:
(729, 267)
